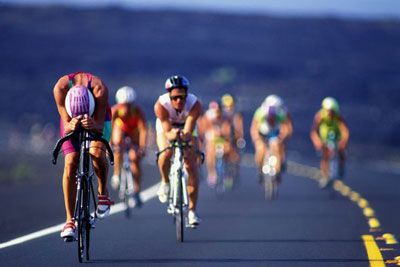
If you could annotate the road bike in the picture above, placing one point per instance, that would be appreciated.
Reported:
(178, 200)
(126, 184)
(85, 205)
(270, 173)
(220, 167)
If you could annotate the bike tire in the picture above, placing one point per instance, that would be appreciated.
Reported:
(179, 218)
(124, 179)
(88, 225)
(269, 188)
(81, 229)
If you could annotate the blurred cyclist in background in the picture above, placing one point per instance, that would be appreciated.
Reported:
(329, 124)
(271, 127)
(216, 130)
(177, 112)
(82, 101)
(128, 121)
(235, 120)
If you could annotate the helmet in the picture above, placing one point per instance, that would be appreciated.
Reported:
(176, 82)
(273, 100)
(213, 105)
(79, 101)
(329, 103)
(227, 100)
(125, 95)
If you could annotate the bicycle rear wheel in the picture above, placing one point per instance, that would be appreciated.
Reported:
(124, 183)
(270, 187)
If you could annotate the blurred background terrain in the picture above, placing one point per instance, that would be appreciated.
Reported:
(303, 59)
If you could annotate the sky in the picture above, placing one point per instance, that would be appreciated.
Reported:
(341, 8)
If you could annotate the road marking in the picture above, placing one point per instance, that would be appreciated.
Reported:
(146, 195)
(374, 254)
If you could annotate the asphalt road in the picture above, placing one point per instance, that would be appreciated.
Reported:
(303, 227)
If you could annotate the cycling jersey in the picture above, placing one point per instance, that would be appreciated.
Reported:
(265, 129)
(127, 123)
(72, 145)
(177, 118)
(328, 127)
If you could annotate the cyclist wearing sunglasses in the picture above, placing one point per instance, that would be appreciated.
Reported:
(177, 112)
(81, 101)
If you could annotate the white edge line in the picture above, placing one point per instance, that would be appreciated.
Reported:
(146, 195)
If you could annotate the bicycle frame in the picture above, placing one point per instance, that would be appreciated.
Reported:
(82, 213)
(270, 174)
(126, 185)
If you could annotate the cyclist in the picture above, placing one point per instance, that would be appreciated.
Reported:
(128, 121)
(235, 119)
(81, 100)
(271, 126)
(177, 112)
(329, 122)
(215, 129)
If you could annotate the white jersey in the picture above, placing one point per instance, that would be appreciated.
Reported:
(175, 117)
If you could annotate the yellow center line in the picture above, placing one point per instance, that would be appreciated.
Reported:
(374, 254)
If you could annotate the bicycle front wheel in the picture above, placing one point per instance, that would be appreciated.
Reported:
(179, 218)
(81, 225)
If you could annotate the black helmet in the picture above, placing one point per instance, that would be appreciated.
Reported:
(176, 81)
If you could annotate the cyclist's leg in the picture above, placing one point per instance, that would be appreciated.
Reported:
(135, 168)
(100, 165)
(260, 151)
(210, 161)
(117, 141)
(325, 162)
(69, 183)
(191, 165)
(342, 162)
(164, 160)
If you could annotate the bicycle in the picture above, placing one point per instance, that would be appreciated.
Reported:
(270, 174)
(333, 167)
(220, 167)
(178, 201)
(83, 209)
(126, 185)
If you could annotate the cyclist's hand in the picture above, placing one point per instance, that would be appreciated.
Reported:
(88, 123)
(173, 134)
(186, 137)
(73, 124)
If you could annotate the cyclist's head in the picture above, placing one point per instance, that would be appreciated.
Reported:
(271, 114)
(125, 95)
(227, 101)
(176, 81)
(330, 104)
(214, 109)
(79, 101)
(273, 100)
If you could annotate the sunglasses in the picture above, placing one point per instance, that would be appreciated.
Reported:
(176, 97)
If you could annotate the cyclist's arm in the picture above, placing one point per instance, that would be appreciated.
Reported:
(163, 116)
(254, 133)
(100, 93)
(314, 135)
(60, 91)
(190, 122)
(344, 133)
(289, 123)
(142, 130)
(238, 125)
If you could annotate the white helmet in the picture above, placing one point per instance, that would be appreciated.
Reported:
(329, 103)
(125, 95)
(273, 100)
